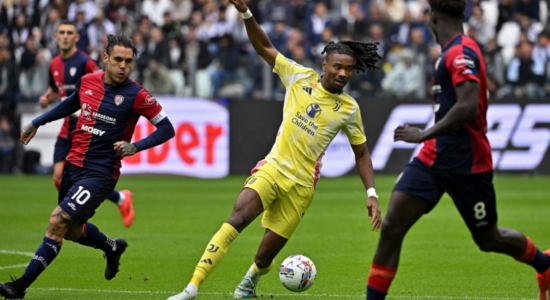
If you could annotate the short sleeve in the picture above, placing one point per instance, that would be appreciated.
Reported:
(91, 67)
(463, 64)
(146, 105)
(354, 128)
(289, 71)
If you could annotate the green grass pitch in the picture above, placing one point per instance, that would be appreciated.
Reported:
(176, 217)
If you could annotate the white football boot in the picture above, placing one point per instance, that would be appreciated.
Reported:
(247, 287)
(189, 293)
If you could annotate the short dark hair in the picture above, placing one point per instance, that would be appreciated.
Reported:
(365, 54)
(120, 40)
(453, 8)
(66, 22)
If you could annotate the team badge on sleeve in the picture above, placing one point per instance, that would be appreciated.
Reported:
(462, 61)
(150, 100)
(119, 99)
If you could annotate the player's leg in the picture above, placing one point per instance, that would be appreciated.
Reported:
(474, 196)
(416, 193)
(125, 202)
(264, 261)
(280, 219)
(46, 253)
(247, 208)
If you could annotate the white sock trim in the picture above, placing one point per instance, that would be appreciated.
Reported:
(121, 199)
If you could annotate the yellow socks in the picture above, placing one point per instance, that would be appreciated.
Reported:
(257, 271)
(214, 253)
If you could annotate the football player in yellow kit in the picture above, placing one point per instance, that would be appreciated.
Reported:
(282, 185)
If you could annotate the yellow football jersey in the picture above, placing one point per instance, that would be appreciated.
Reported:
(312, 117)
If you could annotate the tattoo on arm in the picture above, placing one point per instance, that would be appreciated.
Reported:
(64, 217)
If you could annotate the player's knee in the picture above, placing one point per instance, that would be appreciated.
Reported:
(74, 233)
(238, 221)
(56, 227)
(391, 230)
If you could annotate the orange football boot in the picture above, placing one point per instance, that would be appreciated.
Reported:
(127, 208)
(544, 282)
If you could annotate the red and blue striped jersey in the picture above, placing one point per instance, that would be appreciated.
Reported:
(63, 77)
(109, 114)
(466, 149)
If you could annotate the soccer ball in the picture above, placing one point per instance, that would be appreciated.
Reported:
(297, 273)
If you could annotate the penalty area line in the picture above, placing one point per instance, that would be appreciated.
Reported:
(278, 295)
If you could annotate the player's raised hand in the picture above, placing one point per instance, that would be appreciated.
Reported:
(239, 5)
(375, 215)
(125, 149)
(27, 133)
(408, 134)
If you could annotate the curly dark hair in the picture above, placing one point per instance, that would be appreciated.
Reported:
(454, 8)
(365, 54)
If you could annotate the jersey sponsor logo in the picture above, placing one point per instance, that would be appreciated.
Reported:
(89, 92)
(305, 124)
(86, 111)
(462, 61)
(72, 71)
(92, 130)
(337, 105)
(119, 99)
(151, 100)
(314, 110)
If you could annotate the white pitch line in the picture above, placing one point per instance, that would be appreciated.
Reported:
(14, 266)
(17, 253)
(281, 295)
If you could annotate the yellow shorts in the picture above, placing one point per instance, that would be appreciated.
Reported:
(285, 201)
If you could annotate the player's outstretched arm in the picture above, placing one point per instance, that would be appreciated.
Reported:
(366, 172)
(465, 110)
(257, 35)
(62, 110)
(165, 131)
(49, 97)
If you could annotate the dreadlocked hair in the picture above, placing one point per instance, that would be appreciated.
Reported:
(454, 8)
(365, 54)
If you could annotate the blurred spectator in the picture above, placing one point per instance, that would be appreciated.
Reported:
(176, 56)
(278, 10)
(298, 54)
(181, 10)
(227, 64)
(376, 18)
(171, 29)
(157, 47)
(530, 8)
(494, 63)
(53, 20)
(125, 22)
(97, 31)
(529, 27)
(319, 20)
(353, 22)
(83, 42)
(521, 73)
(28, 56)
(394, 9)
(418, 45)
(61, 6)
(377, 36)
(404, 79)
(484, 30)
(505, 13)
(222, 26)
(26, 8)
(35, 79)
(87, 6)
(472, 33)
(8, 77)
(7, 143)
(145, 26)
(157, 80)
(279, 35)
(155, 9)
(142, 58)
(540, 59)
(20, 32)
(400, 33)
(316, 51)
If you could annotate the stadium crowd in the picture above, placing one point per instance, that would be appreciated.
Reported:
(200, 47)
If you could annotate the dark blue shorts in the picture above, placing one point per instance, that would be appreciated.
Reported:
(473, 195)
(82, 191)
(62, 148)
